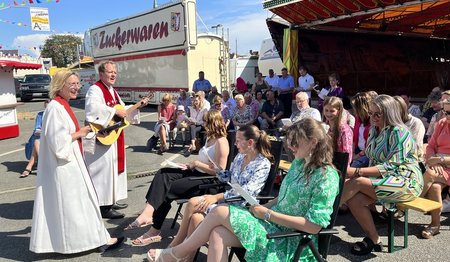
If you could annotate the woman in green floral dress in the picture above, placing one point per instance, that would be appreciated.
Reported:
(393, 174)
(305, 203)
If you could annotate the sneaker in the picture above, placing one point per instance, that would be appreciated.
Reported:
(446, 206)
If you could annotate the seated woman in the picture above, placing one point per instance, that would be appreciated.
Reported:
(223, 109)
(360, 103)
(393, 157)
(172, 183)
(166, 121)
(243, 114)
(340, 132)
(196, 112)
(305, 203)
(437, 174)
(34, 142)
(250, 169)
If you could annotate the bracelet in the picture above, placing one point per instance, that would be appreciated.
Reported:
(267, 215)
(357, 174)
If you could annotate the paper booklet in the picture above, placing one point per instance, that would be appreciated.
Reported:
(323, 93)
(286, 121)
(251, 200)
(172, 164)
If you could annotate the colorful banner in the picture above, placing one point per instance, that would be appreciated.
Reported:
(40, 20)
(290, 52)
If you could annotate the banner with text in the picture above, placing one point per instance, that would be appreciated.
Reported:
(39, 19)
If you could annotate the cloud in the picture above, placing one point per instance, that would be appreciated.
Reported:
(30, 43)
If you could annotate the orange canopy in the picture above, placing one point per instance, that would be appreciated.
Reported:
(427, 18)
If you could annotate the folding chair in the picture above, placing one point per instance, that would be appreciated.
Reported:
(340, 161)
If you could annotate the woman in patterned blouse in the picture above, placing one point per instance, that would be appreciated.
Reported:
(250, 169)
(305, 203)
(393, 174)
(243, 114)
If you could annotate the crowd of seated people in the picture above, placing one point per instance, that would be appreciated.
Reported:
(384, 135)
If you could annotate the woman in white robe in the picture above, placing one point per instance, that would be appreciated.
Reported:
(66, 215)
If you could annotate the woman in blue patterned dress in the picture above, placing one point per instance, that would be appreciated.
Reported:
(393, 174)
(250, 169)
(305, 203)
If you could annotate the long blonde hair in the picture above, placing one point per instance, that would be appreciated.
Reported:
(336, 103)
(59, 80)
(308, 129)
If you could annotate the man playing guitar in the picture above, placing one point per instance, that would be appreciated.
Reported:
(107, 165)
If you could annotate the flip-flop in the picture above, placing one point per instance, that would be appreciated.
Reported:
(135, 224)
(161, 252)
(143, 240)
(25, 173)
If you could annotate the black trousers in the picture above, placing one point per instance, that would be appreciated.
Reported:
(170, 184)
(286, 99)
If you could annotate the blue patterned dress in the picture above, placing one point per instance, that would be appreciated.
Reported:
(311, 198)
(394, 153)
(252, 178)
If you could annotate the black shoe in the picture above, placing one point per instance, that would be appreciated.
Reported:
(118, 243)
(113, 214)
(118, 206)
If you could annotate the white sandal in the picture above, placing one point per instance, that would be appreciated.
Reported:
(160, 252)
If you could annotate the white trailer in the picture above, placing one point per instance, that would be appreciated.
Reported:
(269, 58)
(159, 52)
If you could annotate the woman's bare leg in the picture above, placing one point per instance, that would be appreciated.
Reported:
(354, 186)
(184, 226)
(162, 135)
(147, 215)
(219, 239)
(359, 206)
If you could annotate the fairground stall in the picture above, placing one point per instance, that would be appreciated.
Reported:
(9, 126)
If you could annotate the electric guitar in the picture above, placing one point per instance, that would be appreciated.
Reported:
(110, 134)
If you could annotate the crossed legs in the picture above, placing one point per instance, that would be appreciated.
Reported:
(432, 189)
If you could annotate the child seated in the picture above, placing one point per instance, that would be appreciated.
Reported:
(182, 123)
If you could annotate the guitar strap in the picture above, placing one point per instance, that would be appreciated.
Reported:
(66, 106)
(121, 140)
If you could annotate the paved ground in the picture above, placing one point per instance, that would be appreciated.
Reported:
(16, 204)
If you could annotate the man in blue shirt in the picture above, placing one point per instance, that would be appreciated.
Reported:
(285, 89)
(201, 84)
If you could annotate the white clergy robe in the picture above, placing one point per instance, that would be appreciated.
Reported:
(66, 215)
(109, 184)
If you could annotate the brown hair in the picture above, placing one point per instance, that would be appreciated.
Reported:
(262, 141)
(214, 124)
(102, 65)
(307, 129)
(336, 103)
(360, 103)
(403, 108)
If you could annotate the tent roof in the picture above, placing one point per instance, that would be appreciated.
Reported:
(426, 18)
(19, 65)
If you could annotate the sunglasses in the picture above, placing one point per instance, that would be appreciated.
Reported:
(375, 114)
(447, 113)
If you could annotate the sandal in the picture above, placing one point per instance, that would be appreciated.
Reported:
(366, 247)
(430, 231)
(145, 239)
(161, 252)
(25, 173)
(136, 224)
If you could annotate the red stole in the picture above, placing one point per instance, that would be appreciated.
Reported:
(66, 106)
(121, 140)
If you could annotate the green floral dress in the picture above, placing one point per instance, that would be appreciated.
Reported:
(311, 198)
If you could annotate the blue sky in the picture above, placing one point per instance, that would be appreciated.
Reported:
(244, 18)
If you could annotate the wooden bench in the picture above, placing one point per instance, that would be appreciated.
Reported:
(419, 204)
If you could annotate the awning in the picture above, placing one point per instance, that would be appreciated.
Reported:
(19, 65)
(426, 18)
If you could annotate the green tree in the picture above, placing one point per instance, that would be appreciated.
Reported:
(62, 49)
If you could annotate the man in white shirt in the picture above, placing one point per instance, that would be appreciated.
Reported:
(305, 81)
(272, 80)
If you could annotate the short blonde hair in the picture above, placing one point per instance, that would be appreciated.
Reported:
(59, 80)
(166, 97)
(239, 97)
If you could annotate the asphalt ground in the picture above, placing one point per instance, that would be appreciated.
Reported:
(16, 205)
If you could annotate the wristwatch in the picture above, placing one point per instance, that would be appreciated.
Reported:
(267, 215)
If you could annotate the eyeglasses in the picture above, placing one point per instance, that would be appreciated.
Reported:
(375, 114)
(447, 113)
(73, 85)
